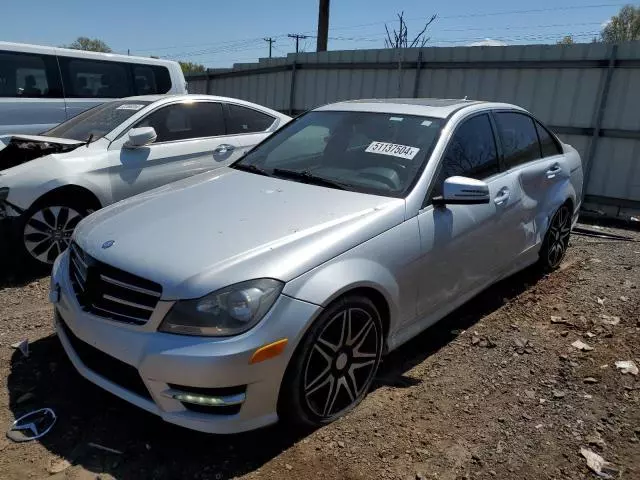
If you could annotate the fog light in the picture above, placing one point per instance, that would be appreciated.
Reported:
(210, 401)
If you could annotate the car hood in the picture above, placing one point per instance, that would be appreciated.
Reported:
(226, 226)
(18, 149)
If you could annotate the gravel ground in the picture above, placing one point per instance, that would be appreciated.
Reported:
(494, 391)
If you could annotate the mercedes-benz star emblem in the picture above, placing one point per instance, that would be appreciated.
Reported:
(108, 244)
(32, 425)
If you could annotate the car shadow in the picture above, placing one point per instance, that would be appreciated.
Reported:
(151, 448)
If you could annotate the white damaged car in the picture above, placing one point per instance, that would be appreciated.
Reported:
(111, 152)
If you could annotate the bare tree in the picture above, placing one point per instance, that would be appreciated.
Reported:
(400, 37)
(623, 27)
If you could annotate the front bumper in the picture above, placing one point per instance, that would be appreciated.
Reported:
(162, 360)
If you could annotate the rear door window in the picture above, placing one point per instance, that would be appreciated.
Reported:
(518, 137)
(29, 75)
(186, 121)
(95, 79)
(548, 144)
(247, 120)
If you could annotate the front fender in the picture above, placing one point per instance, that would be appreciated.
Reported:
(328, 282)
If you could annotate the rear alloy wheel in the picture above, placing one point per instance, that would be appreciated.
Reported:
(557, 239)
(336, 363)
(47, 232)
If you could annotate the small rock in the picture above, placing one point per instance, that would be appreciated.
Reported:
(288, 467)
(420, 476)
(475, 340)
(500, 447)
(526, 416)
(559, 394)
(58, 465)
(564, 333)
(627, 366)
(623, 298)
(600, 300)
(581, 346)
(610, 320)
(590, 380)
(589, 334)
(341, 444)
(530, 394)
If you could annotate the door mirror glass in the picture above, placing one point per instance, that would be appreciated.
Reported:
(463, 191)
(139, 137)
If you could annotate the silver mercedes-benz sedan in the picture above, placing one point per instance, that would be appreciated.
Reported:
(271, 288)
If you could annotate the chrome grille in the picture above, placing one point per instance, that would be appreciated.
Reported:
(109, 292)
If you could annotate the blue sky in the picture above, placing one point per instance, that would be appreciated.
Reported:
(218, 33)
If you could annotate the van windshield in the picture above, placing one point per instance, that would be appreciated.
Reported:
(97, 121)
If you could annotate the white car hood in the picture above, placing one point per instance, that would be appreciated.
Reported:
(226, 226)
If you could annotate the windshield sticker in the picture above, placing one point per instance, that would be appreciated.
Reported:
(396, 119)
(393, 149)
(130, 106)
(426, 123)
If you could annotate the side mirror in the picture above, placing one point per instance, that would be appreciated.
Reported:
(139, 137)
(462, 191)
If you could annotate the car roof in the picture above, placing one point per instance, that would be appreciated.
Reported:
(171, 98)
(429, 107)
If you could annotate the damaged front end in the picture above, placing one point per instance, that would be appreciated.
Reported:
(18, 149)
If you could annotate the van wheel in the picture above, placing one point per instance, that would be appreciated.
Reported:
(556, 240)
(46, 230)
(332, 369)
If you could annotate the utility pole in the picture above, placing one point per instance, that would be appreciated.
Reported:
(323, 26)
(297, 36)
(270, 41)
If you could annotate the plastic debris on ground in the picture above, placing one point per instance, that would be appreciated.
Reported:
(598, 465)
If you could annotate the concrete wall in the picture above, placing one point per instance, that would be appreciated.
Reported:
(589, 94)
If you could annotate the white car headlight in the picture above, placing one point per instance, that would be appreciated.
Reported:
(229, 311)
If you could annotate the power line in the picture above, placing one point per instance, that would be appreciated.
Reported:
(271, 42)
(298, 37)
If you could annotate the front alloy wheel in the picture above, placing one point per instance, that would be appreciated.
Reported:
(47, 232)
(336, 363)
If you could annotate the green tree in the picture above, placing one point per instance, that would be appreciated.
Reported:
(89, 44)
(623, 27)
(190, 67)
(566, 40)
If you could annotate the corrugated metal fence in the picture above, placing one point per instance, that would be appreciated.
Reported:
(588, 93)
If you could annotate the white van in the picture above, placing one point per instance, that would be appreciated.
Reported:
(41, 87)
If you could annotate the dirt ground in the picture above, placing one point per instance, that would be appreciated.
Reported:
(493, 391)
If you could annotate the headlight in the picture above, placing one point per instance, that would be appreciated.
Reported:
(229, 311)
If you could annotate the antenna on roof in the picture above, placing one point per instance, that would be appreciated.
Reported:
(465, 97)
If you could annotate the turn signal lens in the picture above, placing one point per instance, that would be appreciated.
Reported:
(268, 351)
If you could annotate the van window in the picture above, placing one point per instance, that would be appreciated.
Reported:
(151, 79)
(95, 79)
(28, 75)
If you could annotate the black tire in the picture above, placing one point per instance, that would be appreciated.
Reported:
(334, 365)
(44, 231)
(556, 240)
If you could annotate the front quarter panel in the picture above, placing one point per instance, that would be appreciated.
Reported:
(386, 263)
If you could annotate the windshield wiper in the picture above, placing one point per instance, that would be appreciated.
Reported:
(309, 177)
(89, 140)
(251, 168)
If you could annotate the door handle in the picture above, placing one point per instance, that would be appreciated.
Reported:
(224, 148)
(555, 169)
(502, 196)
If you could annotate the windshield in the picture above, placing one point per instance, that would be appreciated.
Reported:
(97, 121)
(376, 153)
